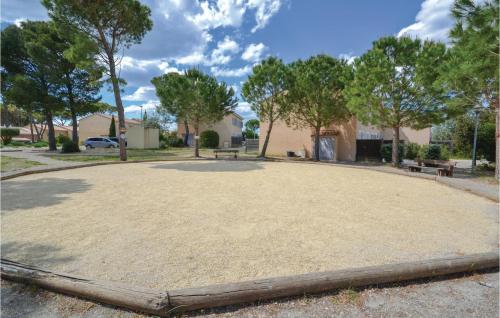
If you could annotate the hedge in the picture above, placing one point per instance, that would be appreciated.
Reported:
(7, 134)
(209, 139)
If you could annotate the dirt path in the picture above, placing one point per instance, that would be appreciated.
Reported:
(475, 296)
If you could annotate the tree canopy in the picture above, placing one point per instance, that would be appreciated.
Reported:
(396, 85)
(196, 97)
(264, 90)
(315, 93)
(471, 73)
(110, 26)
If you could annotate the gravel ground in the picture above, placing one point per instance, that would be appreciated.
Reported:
(182, 224)
(473, 296)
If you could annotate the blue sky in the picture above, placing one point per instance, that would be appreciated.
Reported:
(227, 37)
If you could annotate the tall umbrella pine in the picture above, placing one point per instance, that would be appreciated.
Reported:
(112, 25)
(195, 97)
(471, 74)
(315, 94)
(395, 86)
(264, 90)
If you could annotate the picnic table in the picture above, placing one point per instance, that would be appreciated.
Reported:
(224, 151)
(414, 168)
(445, 170)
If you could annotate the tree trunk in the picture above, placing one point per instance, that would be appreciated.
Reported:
(196, 141)
(186, 133)
(266, 141)
(119, 107)
(395, 147)
(316, 143)
(50, 133)
(30, 115)
(74, 123)
(497, 140)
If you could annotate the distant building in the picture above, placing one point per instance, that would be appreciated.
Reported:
(97, 125)
(229, 130)
(343, 142)
(138, 137)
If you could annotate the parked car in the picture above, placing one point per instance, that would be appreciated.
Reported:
(100, 142)
(115, 139)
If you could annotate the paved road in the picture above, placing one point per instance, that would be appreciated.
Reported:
(474, 296)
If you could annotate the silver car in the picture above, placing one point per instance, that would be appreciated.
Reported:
(100, 142)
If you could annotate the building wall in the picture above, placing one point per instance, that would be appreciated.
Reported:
(421, 137)
(57, 132)
(225, 128)
(98, 126)
(284, 138)
(151, 138)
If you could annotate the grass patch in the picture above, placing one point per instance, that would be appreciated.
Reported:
(12, 164)
(347, 296)
(141, 154)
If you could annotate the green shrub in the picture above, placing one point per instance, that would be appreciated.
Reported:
(171, 140)
(62, 138)
(163, 144)
(434, 152)
(69, 146)
(16, 143)
(386, 152)
(40, 144)
(411, 150)
(7, 133)
(445, 153)
(209, 139)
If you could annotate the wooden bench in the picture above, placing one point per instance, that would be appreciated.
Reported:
(230, 151)
(414, 168)
(445, 171)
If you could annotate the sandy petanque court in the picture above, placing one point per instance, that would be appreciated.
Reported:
(182, 224)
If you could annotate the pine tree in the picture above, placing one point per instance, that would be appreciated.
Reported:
(112, 127)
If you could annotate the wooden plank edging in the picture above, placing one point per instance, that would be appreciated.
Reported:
(164, 302)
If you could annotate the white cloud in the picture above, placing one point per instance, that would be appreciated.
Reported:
(149, 105)
(253, 52)
(265, 10)
(225, 13)
(222, 54)
(349, 57)
(218, 14)
(15, 10)
(140, 72)
(142, 93)
(225, 72)
(432, 22)
(245, 110)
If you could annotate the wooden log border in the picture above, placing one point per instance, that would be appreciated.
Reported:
(163, 303)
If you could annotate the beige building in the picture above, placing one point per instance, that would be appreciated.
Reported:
(143, 138)
(338, 142)
(97, 125)
(229, 130)
(25, 132)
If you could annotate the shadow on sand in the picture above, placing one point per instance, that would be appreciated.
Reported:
(212, 166)
(42, 255)
(28, 194)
